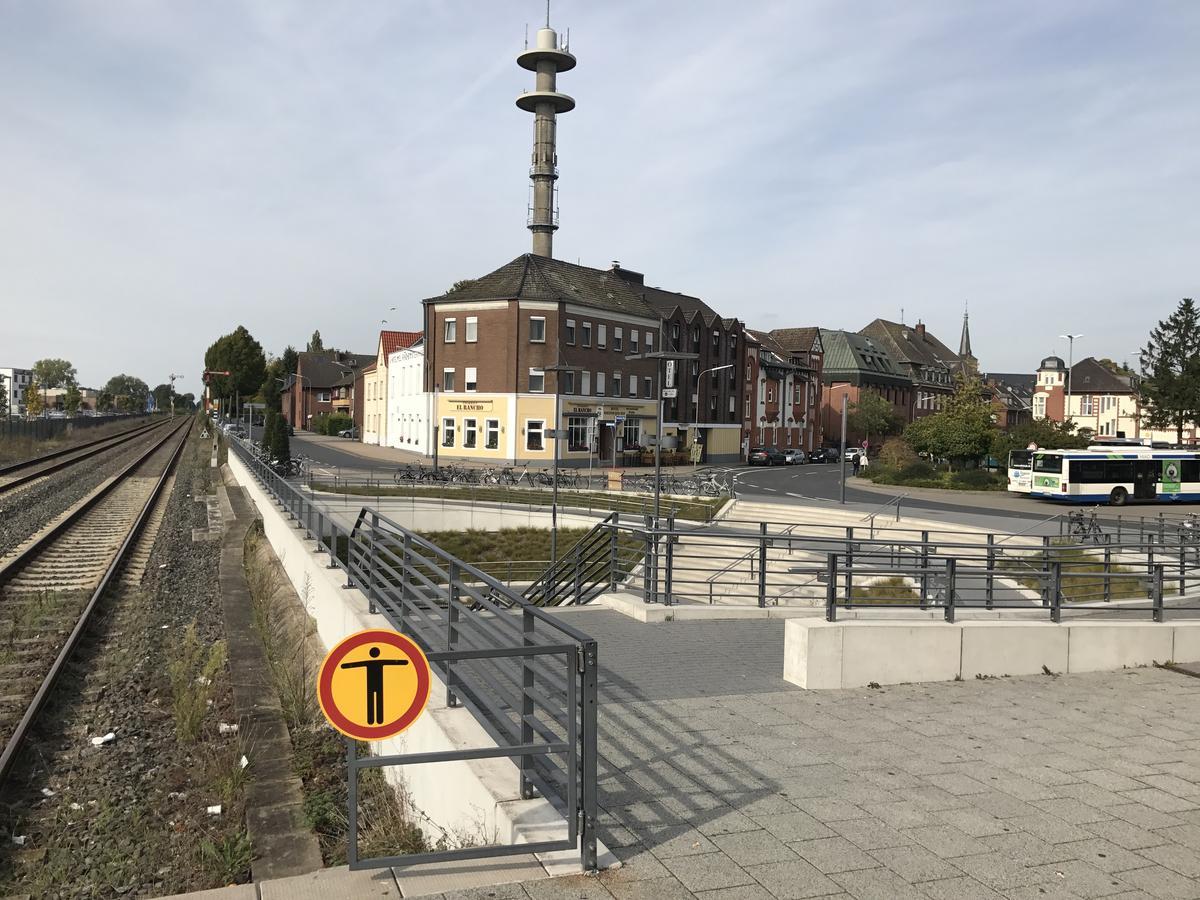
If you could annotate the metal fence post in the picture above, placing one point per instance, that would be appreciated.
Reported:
(351, 802)
(588, 719)
(528, 624)
(951, 572)
(1107, 569)
(924, 569)
(405, 566)
(669, 573)
(1055, 590)
(831, 589)
(762, 564)
(451, 631)
(648, 565)
(372, 564)
(612, 551)
(991, 567)
(1157, 596)
(1045, 567)
(1182, 563)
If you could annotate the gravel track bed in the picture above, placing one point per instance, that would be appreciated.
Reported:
(26, 510)
(128, 818)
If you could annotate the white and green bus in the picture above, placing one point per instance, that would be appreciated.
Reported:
(1020, 471)
(1116, 476)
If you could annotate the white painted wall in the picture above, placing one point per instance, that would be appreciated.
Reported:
(408, 404)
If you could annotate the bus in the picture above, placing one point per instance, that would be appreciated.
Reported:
(1117, 476)
(1020, 471)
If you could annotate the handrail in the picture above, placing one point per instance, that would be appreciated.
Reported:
(871, 515)
(544, 584)
(1025, 531)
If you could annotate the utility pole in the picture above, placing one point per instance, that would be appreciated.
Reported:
(1070, 362)
(171, 393)
(558, 368)
(842, 453)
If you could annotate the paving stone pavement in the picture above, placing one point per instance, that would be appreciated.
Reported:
(719, 780)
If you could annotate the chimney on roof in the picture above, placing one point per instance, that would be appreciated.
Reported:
(626, 274)
(920, 329)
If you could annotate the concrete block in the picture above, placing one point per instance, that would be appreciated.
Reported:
(812, 653)
(1099, 647)
(895, 652)
(1187, 643)
(1002, 648)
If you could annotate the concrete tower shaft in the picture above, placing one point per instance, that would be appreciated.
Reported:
(546, 60)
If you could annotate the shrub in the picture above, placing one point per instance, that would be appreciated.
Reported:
(338, 422)
(973, 478)
(918, 470)
(897, 454)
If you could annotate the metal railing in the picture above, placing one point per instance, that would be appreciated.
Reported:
(527, 678)
(585, 571)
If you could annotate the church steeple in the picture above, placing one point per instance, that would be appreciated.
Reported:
(965, 356)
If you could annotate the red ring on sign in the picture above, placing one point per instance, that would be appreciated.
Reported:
(325, 684)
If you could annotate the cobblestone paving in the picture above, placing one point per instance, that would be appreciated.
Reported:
(721, 781)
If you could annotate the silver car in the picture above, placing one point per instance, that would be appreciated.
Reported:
(794, 457)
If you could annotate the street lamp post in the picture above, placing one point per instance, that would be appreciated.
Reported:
(1070, 338)
(842, 453)
(557, 369)
(700, 381)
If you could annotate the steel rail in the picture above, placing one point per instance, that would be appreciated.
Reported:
(16, 740)
(90, 449)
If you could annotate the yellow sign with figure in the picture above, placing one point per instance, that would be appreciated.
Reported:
(374, 684)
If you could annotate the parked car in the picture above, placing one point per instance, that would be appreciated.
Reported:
(824, 455)
(794, 457)
(351, 432)
(765, 456)
(852, 454)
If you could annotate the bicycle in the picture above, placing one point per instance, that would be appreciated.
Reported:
(1085, 528)
(712, 485)
(1189, 529)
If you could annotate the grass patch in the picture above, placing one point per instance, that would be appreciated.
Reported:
(191, 673)
(884, 591)
(1082, 575)
(699, 509)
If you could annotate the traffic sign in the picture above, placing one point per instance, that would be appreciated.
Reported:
(374, 684)
(670, 393)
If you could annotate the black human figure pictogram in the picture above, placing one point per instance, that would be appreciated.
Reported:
(374, 669)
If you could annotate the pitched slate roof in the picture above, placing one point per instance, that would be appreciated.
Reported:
(530, 277)
(858, 357)
(1089, 377)
(398, 340)
(322, 371)
(767, 341)
(906, 345)
(796, 340)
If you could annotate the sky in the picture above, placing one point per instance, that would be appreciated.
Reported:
(169, 171)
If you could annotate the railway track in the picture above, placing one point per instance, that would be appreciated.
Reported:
(50, 587)
(20, 474)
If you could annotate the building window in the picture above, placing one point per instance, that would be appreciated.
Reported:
(450, 333)
(675, 335)
(533, 434)
(618, 335)
(322, 396)
(696, 337)
(649, 341)
(491, 433)
(733, 343)
(537, 330)
(571, 332)
(647, 387)
(472, 334)
(469, 431)
(1085, 405)
(470, 378)
(632, 433)
(577, 433)
(716, 342)
(632, 385)
(585, 383)
(447, 432)
(568, 382)
(601, 336)
(616, 385)
(586, 329)
(447, 379)
(633, 340)
(537, 381)
(599, 384)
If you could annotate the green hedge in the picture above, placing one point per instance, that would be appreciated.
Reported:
(924, 475)
(331, 423)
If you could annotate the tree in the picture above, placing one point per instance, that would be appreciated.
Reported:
(162, 397)
(129, 393)
(241, 355)
(1170, 383)
(185, 402)
(105, 401)
(268, 433)
(280, 445)
(34, 405)
(54, 373)
(315, 344)
(459, 285)
(1045, 433)
(289, 360)
(4, 389)
(1115, 367)
(871, 414)
(962, 431)
(72, 399)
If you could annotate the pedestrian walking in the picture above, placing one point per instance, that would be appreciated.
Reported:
(856, 462)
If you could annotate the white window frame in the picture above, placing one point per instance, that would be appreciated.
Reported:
(649, 341)
(633, 340)
(540, 430)
(450, 380)
(470, 433)
(633, 385)
(471, 332)
(450, 330)
(648, 387)
(571, 332)
(491, 434)
(618, 337)
(585, 383)
(601, 336)
(599, 384)
(568, 382)
(470, 380)
(535, 371)
(447, 431)
(585, 334)
(537, 340)
(616, 384)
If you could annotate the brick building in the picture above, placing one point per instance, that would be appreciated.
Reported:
(929, 364)
(855, 363)
(805, 351)
(776, 397)
(310, 390)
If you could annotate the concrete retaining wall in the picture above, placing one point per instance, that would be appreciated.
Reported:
(477, 800)
(819, 655)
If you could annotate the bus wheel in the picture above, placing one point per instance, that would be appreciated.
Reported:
(1118, 496)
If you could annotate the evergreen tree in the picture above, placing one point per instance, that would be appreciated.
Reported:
(290, 360)
(1170, 383)
(315, 344)
(280, 445)
(71, 399)
(268, 434)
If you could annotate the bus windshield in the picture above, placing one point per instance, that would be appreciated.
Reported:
(1047, 462)
(1020, 459)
